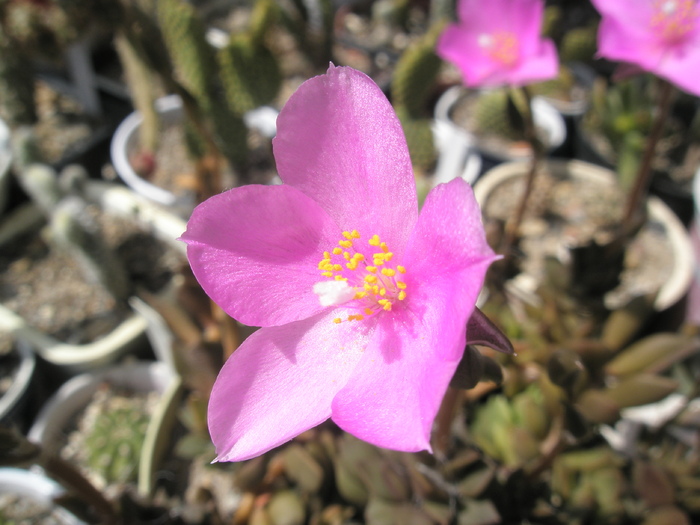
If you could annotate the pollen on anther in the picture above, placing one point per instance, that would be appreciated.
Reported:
(384, 247)
(337, 250)
(360, 295)
(401, 269)
(337, 267)
(388, 272)
(340, 278)
(345, 244)
(327, 274)
(401, 285)
(374, 241)
(358, 257)
(347, 235)
(402, 295)
(337, 320)
(371, 278)
(352, 265)
(382, 292)
(355, 234)
(346, 256)
(368, 311)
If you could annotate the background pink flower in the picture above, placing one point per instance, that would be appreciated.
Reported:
(363, 303)
(660, 36)
(498, 42)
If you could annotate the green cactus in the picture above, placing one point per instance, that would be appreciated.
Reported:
(250, 74)
(491, 115)
(419, 136)
(115, 437)
(415, 76)
(579, 44)
(192, 56)
(16, 85)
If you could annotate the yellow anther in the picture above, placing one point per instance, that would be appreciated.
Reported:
(388, 256)
(384, 247)
(368, 287)
(360, 295)
(402, 295)
(371, 269)
(323, 263)
(345, 244)
(375, 289)
(355, 234)
(374, 241)
(385, 303)
(401, 269)
(401, 285)
(327, 274)
(358, 257)
(379, 256)
(378, 262)
(369, 311)
(337, 320)
(388, 272)
(340, 278)
(371, 278)
(347, 256)
(382, 292)
(327, 255)
(352, 265)
(357, 317)
(337, 268)
(337, 250)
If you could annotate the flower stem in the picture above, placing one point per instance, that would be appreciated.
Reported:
(443, 421)
(634, 209)
(530, 132)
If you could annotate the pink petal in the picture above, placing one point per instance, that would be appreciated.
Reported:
(280, 382)
(682, 69)
(449, 236)
(255, 250)
(524, 18)
(393, 396)
(340, 142)
(634, 13)
(540, 66)
(461, 47)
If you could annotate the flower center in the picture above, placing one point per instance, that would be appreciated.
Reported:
(501, 46)
(672, 20)
(361, 272)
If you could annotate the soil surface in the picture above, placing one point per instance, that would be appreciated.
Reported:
(567, 213)
(50, 289)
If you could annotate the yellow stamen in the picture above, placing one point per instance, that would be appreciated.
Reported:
(378, 262)
(388, 272)
(401, 269)
(374, 241)
(382, 292)
(388, 256)
(337, 268)
(402, 295)
(360, 295)
(401, 285)
(327, 274)
(369, 311)
(384, 247)
(345, 244)
(337, 320)
(323, 263)
(327, 255)
(371, 269)
(355, 234)
(347, 235)
(352, 265)
(346, 256)
(358, 257)
(340, 278)
(371, 278)
(337, 250)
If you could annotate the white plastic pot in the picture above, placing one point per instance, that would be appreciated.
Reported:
(58, 413)
(679, 279)
(38, 488)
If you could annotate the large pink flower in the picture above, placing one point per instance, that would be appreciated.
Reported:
(660, 36)
(498, 42)
(363, 303)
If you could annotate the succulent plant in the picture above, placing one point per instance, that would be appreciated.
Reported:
(114, 432)
(579, 44)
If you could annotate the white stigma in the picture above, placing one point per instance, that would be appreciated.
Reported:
(485, 40)
(333, 293)
(669, 7)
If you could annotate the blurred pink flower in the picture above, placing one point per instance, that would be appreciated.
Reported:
(660, 36)
(498, 42)
(363, 303)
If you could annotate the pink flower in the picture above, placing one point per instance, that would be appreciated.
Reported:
(498, 42)
(363, 303)
(660, 36)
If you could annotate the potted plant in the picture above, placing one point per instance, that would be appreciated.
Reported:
(125, 415)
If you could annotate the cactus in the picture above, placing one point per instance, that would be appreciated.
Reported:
(491, 115)
(419, 137)
(579, 44)
(114, 426)
(250, 74)
(16, 85)
(415, 75)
